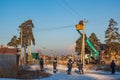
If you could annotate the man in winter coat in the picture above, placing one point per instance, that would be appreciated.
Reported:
(112, 66)
(55, 65)
(80, 66)
(41, 64)
(69, 65)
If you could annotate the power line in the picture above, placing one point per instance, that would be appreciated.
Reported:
(55, 28)
(65, 8)
(71, 8)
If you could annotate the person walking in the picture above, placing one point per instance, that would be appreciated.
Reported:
(69, 65)
(112, 66)
(80, 66)
(55, 65)
(41, 63)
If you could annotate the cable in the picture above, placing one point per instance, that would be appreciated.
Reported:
(71, 8)
(65, 8)
(54, 28)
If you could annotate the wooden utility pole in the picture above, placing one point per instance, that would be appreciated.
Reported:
(81, 26)
(83, 46)
(44, 55)
(20, 61)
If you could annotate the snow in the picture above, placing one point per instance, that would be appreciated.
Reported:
(62, 74)
(88, 75)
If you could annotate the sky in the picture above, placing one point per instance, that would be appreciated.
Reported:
(54, 20)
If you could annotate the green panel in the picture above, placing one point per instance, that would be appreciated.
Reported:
(92, 47)
(35, 55)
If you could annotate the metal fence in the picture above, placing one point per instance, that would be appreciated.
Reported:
(8, 65)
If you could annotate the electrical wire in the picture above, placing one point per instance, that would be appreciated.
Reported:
(71, 8)
(55, 28)
(64, 7)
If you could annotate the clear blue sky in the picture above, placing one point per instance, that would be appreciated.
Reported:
(48, 14)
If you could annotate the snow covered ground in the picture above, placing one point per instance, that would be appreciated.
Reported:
(89, 74)
(62, 75)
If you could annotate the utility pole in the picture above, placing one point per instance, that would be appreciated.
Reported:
(81, 26)
(44, 55)
(20, 61)
(83, 45)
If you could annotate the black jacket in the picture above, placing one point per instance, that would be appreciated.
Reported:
(112, 64)
(55, 62)
(69, 64)
(41, 61)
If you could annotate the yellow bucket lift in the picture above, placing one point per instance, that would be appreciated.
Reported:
(79, 26)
